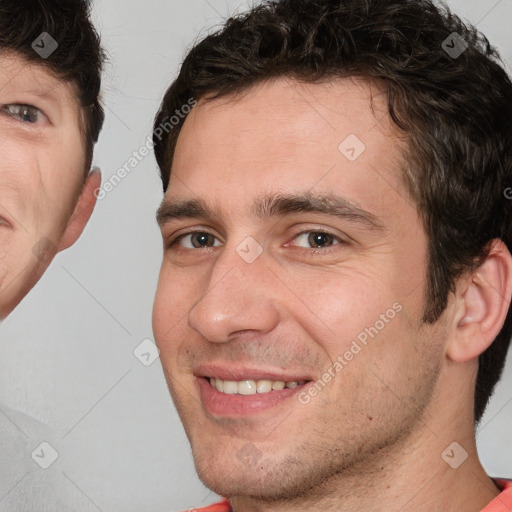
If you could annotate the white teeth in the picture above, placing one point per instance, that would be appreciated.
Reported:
(264, 386)
(247, 387)
(251, 387)
(219, 384)
(230, 387)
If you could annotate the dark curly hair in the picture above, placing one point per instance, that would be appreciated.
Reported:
(455, 110)
(78, 58)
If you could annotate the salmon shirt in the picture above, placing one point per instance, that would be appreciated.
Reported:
(502, 503)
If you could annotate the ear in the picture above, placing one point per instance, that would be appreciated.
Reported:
(482, 300)
(83, 210)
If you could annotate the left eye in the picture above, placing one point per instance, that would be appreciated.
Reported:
(316, 239)
(24, 113)
(197, 240)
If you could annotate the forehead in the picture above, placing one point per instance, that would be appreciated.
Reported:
(289, 137)
(286, 107)
(21, 76)
(284, 121)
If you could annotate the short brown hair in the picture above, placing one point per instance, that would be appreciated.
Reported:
(454, 107)
(78, 58)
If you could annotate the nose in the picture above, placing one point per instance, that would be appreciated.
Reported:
(239, 297)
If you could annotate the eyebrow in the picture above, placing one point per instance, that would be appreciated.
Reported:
(50, 89)
(53, 94)
(274, 206)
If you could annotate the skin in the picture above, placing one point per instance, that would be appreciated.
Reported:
(46, 198)
(372, 439)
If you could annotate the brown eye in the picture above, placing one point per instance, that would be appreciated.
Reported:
(196, 240)
(316, 240)
(319, 240)
(199, 240)
(24, 113)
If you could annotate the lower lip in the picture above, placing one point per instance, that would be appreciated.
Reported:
(222, 404)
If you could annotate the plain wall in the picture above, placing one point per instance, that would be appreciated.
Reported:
(68, 375)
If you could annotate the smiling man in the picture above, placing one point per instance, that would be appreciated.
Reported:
(50, 118)
(333, 306)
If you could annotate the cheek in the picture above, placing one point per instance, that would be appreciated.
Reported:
(340, 302)
(362, 321)
(20, 179)
(64, 177)
(41, 183)
(175, 295)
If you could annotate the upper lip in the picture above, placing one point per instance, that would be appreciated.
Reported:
(241, 372)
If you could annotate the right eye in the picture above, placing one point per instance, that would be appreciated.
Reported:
(196, 240)
(24, 113)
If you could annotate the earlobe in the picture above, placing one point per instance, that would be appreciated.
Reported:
(482, 302)
(83, 210)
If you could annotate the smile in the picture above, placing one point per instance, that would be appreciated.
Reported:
(251, 387)
(247, 397)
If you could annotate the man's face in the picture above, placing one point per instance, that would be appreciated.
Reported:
(310, 254)
(41, 172)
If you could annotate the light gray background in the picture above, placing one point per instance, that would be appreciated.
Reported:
(68, 375)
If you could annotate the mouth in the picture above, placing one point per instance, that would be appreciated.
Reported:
(252, 387)
(239, 398)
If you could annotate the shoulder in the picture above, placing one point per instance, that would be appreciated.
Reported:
(504, 500)
(222, 506)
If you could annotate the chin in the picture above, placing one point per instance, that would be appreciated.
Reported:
(226, 474)
(231, 482)
(268, 479)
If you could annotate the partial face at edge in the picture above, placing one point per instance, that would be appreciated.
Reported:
(42, 157)
(286, 295)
